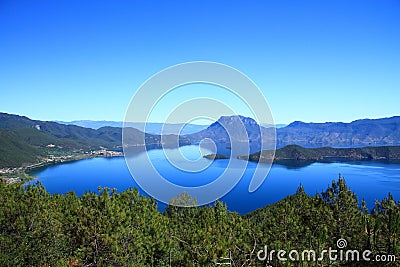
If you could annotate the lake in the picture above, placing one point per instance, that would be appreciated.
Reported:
(369, 180)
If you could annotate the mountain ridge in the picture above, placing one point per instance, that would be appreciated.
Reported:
(358, 133)
(151, 127)
(26, 141)
(27, 138)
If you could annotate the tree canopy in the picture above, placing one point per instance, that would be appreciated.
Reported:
(107, 228)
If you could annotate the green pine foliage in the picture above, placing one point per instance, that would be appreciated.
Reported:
(108, 228)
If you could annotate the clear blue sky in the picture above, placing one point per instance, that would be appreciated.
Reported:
(315, 61)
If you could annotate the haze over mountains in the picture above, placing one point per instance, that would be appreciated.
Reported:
(151, 127)
(359, 133)
(23, 140)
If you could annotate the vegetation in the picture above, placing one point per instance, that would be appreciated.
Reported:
(216, 156)
(125, 229)
(298, 153)
(14, 152)
(23, 140)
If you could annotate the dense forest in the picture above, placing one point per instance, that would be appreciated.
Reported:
(108, 228)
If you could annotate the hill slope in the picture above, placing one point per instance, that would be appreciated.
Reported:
(23, 140)
(42, 133)
(14, 152)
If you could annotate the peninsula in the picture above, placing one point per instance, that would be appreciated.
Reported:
(298, 153)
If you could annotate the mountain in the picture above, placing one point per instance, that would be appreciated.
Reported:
(244, 133)
(240, 129)
(151, 127)
(43, 133)
(92, 124)
(23, 140)
(359, 133)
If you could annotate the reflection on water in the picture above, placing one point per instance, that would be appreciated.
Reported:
(369, 180)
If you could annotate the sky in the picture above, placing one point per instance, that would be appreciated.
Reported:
(314, 61)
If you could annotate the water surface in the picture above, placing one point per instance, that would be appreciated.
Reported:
(369, 180)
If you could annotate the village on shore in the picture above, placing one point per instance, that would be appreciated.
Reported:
(21, 174)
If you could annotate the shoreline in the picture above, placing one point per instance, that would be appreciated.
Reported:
(27, 172)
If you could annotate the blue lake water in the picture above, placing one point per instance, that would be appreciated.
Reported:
(369, 180)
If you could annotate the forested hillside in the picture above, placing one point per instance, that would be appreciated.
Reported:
(298, 153)
(14, 152)
(23, 140)
(126, 229)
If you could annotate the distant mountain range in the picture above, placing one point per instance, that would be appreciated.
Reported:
(359, 133)
(150, 127)
(24, 140)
